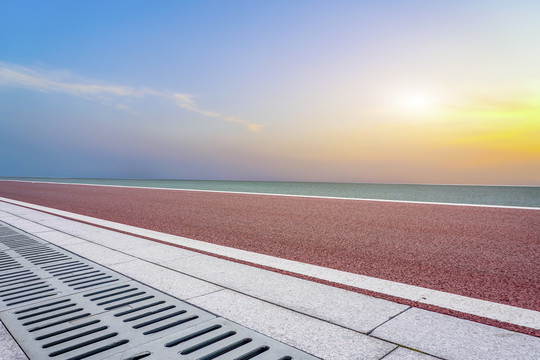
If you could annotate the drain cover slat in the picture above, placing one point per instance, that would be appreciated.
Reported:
(34, 262)
(208, 339)
(58, 305)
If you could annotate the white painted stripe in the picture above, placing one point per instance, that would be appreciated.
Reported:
(292, 195)
(483, 308)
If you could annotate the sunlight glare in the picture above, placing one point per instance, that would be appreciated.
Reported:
(417, 102)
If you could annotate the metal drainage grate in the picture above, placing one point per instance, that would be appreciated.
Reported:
(40, 270)
(12, 241)
(58, 305)
(41, 254)
(111, 319)
(214, 339)
(7, 231)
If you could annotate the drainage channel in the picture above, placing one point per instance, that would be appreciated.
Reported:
(58, 305)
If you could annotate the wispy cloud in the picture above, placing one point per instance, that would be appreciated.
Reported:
(186, 101)
(23, 77)
(17, 76)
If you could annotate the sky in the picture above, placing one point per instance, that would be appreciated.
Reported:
(444, 92)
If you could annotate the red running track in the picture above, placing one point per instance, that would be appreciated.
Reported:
(481, 252)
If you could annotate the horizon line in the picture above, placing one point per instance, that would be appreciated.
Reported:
(14, 178)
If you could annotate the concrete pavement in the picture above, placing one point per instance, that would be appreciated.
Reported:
(325, 321)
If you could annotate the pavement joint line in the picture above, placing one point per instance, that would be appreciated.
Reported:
(388, 354)
(397, 344)
(31, 234)
(231, 289)
(390, 318)
(216, 284)
(225, 287)
(186, 274)
(408, 348)
(42, 231)
(483, 308)
(9, 346)
(209, 293)
(202, 279)
(293, 195)
(161, 265)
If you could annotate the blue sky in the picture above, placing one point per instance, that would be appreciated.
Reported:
(394, 91)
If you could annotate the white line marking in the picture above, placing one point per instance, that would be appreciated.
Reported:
(487, 309)
(291, 195)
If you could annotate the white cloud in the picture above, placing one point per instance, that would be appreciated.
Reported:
(250, 126)
(185, 101)
(30, 79)
(23, 77)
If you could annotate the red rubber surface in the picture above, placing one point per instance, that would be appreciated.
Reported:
(485, 253)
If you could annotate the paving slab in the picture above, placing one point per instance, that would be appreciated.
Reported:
(314, 336)
(60, 238)
(39, 216)
(155, 252)
(4, 214)
(15, 209)
(82, 230)
(117, 241)
(29, 226)
(346, 308)
(99, 254)
(171, 282)
(59, 223)
(9, 349)
(453, 338)
(7, 217)
(68, 226)
(108, 238)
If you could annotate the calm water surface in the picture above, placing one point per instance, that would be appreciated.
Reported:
(528, 196)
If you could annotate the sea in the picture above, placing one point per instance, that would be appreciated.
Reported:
(517, 196)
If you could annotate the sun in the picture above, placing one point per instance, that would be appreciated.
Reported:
(417, 102)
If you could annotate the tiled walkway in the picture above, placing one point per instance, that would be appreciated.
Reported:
(325, 321)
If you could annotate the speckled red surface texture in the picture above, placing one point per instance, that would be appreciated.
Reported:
(485, 253)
